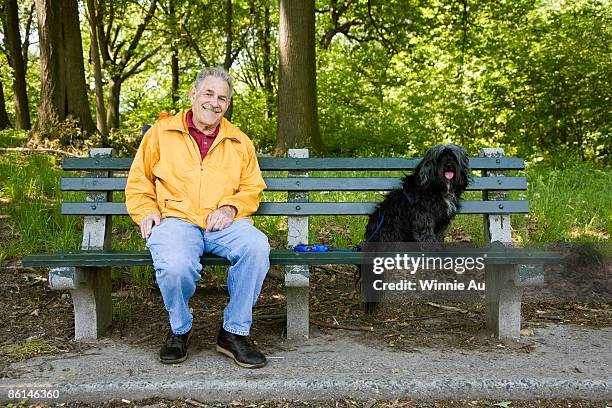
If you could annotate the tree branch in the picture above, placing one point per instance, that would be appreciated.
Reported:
(109, 26)
(139, 31)
(341, 29)
(26, 40)
(380, 33)
(195, 46)
(103, 44)
(112, 46)
(229, 35)
(132, 70)
(37, 150)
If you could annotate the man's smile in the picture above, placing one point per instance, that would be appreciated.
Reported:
(210, 108)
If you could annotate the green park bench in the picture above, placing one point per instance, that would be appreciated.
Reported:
(86, 273)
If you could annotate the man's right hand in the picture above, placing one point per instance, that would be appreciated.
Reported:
(147, 224)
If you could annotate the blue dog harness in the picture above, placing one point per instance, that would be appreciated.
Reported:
(376, 231)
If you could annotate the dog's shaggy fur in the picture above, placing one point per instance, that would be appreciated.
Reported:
(422, 209)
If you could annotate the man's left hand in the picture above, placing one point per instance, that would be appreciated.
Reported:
(221, 218)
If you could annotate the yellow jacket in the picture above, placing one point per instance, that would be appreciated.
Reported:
(169, 177)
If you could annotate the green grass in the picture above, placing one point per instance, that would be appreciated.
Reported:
(30, 197)
(24, 351)
(568, 203)
(12, 137)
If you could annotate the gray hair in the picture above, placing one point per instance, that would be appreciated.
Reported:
(218, 72)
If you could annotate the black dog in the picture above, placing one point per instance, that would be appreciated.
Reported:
(422, 209)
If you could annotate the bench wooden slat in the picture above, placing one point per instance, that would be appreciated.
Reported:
(278, 257)
(319, 208)
(317, 163)
(307, 183)
(380, 183)
(376, 163)
(101, 163)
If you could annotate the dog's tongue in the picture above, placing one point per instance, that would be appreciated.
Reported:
(449, 175)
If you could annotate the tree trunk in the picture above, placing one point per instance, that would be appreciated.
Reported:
(4, 120)
(97, 69)
(13, 43)
(63, 92)
(174, 60)
(112, 109)
(264, 42)
(298, 124)
(25, 46)
(229, 34)
(174, 65)
(268, 69)
(229, 39)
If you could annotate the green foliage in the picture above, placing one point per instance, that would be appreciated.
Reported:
(552, 92)
(393, 77)
(356, 118)
(250, 116)
(12, 137)
(69, 133)
(126, 141)
(530, 77)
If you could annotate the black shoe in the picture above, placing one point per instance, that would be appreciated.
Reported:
(241, 349)
(174, 349)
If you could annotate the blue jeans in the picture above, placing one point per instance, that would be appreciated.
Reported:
(176, 247)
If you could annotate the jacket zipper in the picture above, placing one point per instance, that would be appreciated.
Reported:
(197, 148)
(194, 144)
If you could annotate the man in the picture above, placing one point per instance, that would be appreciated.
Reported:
(192, 186)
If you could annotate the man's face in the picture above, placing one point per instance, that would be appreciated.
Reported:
(209, 102)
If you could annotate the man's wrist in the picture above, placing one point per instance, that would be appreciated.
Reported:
(148, 215)
(233, 209)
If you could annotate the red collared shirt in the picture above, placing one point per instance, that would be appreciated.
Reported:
(204, 141)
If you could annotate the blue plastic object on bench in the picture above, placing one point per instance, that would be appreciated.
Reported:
(311, 248)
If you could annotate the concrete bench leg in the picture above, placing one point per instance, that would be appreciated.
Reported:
(297, 286)
(92, 303)
(503, 301)
(90, 289)
(503, 296)
(92, 295)
(297, 278)
(297, 313)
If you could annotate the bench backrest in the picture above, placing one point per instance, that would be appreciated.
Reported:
(101, 180)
